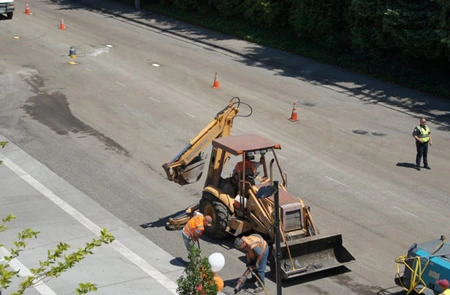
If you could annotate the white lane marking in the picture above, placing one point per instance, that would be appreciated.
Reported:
(281, 157)
(332, 179)
(99, 51)
(187, 114)
(404, 211)
(16, 265)
(154, 99)
(123, 85)
(95, 229)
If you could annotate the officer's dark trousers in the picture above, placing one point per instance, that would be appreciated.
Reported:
(422, 151)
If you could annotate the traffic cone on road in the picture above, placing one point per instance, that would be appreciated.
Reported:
(294, 117)
(216, 82)
(62, 26)
(27, 9)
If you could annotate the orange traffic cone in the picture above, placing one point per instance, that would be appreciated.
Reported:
(294, 117)
(62, 26)
(27, 9)
(216, 82)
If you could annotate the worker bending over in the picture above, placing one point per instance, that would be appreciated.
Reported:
(194, 228)
(257, 253)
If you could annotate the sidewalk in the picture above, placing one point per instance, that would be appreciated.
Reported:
(42, 201)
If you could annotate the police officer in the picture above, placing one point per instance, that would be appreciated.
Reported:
(422, 135)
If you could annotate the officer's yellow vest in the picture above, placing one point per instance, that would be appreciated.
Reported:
(424, 133)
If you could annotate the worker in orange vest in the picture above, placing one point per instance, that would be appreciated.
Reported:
(249, 167)
(257, 253)
(194, 228)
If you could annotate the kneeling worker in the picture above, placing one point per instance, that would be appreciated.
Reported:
(257, 253)
(194, 228)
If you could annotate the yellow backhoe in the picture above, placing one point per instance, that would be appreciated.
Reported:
(230, 196)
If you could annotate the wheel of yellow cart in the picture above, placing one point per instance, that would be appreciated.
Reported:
(210, 205)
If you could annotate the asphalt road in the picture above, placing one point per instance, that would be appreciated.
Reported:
(140, 88)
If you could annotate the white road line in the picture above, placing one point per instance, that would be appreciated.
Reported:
(121, 84)
(154, 99)
(404, 211)
(99, 51)
(116, 245)
(16, 265)
(187, 114)
(332, 179)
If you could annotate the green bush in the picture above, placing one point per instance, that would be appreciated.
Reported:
(198, 278)
(322, 22)
(266, 13)
(229, 8)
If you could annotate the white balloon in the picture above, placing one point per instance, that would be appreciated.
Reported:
(217, 261)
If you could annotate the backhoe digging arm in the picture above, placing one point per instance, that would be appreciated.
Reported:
(187, 166)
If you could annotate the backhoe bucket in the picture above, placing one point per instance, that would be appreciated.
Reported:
(188, 174)
(313, 254)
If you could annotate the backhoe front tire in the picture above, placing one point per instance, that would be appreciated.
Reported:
(210, 205)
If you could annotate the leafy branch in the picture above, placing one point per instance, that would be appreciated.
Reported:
(57, 262)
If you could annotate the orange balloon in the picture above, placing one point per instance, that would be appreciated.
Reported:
(219, 283)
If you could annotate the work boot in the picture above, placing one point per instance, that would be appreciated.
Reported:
(418, 168)
(427, 167)
(258, 289)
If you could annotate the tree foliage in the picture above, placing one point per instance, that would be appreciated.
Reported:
(266, 13)
(57, 262)
(198, 278)
(409, 33)
(321, 22)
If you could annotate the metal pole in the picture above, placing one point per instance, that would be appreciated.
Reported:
(277, 237)
(137, 4)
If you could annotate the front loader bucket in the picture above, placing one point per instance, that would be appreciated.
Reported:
(313, 254)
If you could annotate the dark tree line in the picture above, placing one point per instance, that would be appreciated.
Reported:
(405, 35)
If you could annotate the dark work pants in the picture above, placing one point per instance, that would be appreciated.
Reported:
(261, 271)
(422, 151)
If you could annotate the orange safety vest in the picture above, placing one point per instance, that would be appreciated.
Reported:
(195, 224)
(252, 242)
(249, 166)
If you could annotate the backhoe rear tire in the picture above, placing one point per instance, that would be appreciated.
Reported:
(210, 205)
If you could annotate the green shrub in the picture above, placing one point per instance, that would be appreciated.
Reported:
(266, 13)
(198, 278)
(322, 22)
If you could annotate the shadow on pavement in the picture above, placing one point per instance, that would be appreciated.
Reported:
(406, 165)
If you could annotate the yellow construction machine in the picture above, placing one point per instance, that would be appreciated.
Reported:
(230, 196)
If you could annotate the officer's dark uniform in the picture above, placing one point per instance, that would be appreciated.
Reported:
(423, 132)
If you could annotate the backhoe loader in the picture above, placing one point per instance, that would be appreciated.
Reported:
(230, 196)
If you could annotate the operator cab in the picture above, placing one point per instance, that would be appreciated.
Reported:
(248, 167)
(251, 157)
